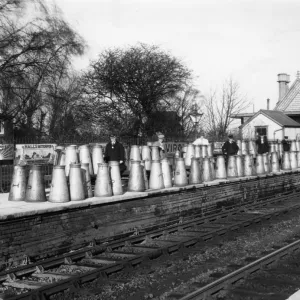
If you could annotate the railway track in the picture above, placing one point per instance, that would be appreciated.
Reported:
(51, 276)
(261, 286)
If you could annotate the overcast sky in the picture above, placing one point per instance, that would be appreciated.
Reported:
(250, 40)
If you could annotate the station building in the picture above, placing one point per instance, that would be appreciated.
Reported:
(283, 120)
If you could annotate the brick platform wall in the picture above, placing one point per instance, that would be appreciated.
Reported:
(47, 234)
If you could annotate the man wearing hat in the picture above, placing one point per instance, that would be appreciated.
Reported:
(160, 144)
(285, 144)
(114, 151)
(230, 147)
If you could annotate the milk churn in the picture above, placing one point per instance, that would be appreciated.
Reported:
(136, 182)
(266, 163)
(220, 167)
(274, 163)
(180, 176)
(252, 148)
(281, 150)
(293, 146)
(244, 148)
(293, 160)
(239, 143)
(103, 181)
(145, 174)
(210, 150)
(190, 152)
(149, 144)
(71, 157)
(197, 151)
(155, 153)
(59, 191)
(298, 159)
(286, 163)
(166, 172)
(156, 178)
(206, 170)
(85, 157)
(57, 156)
(177, 154)
(260, 166)
(272, 147)
(232, 167)
(240, 166)
(195, 174)
(97, 157)
(248, 165)
(135, 153)
(35, 191)
(62, 159)
(18, 184)
(204, 151)
(183, 150)
(77, 192)
(115, 175)
(298, 145)
(146, 156)
(85, 169)
(212, 168)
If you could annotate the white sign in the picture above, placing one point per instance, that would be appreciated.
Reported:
(1, 128)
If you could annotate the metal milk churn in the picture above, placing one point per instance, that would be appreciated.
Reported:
(206, 170)
(166, 173)
(85, 157)
(146, 156)
(156, 178)
(71, 157)
(59, 191)
(85, 169)
(240, 166)
(190, 152)
(220, 167)
(115, 175)
(136, 182)
(195, 172)
(35, 191)
(274, 163)
(260, 166)
(180, 176)
(103, 182)
(18, 184)
(77, 192)
(97, 157)
(231, 167)
(286, 163)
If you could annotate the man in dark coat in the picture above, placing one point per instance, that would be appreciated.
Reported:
(262, 145)
(114, 151)
(285, 144)
(230, 147)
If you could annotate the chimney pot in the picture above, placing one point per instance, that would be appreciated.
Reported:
(268, 104)
(283, 80)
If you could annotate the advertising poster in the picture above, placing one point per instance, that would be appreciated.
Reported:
(35, 153)
(6, 151)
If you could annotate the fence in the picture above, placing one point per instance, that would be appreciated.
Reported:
(6, 172)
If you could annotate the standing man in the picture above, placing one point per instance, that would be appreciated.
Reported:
(285, 144)
(262, 144)
(160, 144)
(114, 151)
(230, 147)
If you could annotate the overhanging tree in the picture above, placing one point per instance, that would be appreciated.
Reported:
(126, 86)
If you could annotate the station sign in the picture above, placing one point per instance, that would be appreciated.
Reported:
(35, 153)
(172, 147)
(7, 152)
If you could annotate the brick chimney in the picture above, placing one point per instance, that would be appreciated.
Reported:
(283, 80)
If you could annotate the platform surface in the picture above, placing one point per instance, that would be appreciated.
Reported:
(14, 209)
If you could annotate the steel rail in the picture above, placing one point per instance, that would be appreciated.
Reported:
(136, 258)
(228, 280)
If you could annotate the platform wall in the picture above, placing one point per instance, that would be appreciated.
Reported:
(36, 235)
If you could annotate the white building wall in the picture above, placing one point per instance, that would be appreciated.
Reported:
(292, 132)
(248, 131)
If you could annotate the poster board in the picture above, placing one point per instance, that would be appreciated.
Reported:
(35, 153)
(7, 152)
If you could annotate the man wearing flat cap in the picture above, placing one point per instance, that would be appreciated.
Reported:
(114, 151)
(285, 144)
(160, 144)
(230, 147)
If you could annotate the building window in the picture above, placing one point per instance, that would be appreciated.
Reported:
(261, 130)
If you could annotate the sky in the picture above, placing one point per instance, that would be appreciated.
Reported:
(250, 41)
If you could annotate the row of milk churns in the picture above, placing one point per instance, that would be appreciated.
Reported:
(77, 186)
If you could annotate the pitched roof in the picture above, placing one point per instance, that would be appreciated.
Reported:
(276, 116)
(291, 101)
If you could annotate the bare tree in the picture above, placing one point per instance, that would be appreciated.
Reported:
(31, 51)
(220, 106)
